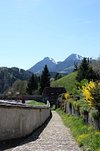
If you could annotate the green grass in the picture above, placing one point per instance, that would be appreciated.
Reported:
(67, 81)
(86, 136)
(35, 103)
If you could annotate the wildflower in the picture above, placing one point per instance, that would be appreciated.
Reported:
(87, 92)
(67, 96)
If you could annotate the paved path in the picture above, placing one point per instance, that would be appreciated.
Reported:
(55, 137)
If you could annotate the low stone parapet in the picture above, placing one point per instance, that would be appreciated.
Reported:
(18, 121)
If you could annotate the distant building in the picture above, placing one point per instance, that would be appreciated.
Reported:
(51, 94)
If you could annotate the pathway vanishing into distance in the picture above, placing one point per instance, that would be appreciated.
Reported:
(54, 137)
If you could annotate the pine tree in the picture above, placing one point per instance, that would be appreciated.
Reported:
(32, 84)
(45, 79)
(85, 71)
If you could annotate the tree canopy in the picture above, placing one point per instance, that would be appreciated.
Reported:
(85, 71)
(45, 79)
(32, 84)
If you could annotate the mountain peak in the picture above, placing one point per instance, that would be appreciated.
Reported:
(65, 66)
(46, 58)
(74, 57)
(38, 67)
(50, 59)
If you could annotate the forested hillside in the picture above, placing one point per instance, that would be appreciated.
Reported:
(9, 75)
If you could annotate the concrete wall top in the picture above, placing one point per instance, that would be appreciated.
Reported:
(19, 120)
(15, 105)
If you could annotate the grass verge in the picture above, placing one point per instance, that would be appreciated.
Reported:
(86, 136)
(35, 103)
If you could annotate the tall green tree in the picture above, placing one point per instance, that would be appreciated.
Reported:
(85, 71)
(32, 84)
(45, 79)
(96, 68)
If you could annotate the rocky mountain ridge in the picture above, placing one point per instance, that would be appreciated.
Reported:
(65, 66)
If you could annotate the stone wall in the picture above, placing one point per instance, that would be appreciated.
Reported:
(19, 120)
(88, 118)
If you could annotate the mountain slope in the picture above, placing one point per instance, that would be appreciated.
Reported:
(9, 75)
(67, 65)
(37, 68)
(67, 81)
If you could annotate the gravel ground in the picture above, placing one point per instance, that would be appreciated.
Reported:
(54, 137)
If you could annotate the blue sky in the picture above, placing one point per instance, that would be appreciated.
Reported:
(33, 29)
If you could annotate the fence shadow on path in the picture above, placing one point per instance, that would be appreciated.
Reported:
(32, 137)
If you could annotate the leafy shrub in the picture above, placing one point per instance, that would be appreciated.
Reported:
(87, 92)
(94, 113)
(91, 91)
(95, 93)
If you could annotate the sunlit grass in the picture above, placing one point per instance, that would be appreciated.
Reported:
(86, 136)
(35, 103)
(67, 81)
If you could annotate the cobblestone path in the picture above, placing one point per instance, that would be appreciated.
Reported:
(55, 137)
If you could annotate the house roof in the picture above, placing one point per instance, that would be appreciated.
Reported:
(53, 90)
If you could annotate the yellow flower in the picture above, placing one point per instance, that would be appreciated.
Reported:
(67, 96)
(87, 92)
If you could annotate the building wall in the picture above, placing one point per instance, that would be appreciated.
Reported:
(19, 121)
